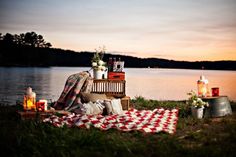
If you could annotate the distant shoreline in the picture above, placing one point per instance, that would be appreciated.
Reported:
(26, 56)
(31, 50)
(19, 66)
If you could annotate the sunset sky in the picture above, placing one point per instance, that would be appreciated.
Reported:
(172, 29)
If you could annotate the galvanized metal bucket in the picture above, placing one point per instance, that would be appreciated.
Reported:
(218, 106)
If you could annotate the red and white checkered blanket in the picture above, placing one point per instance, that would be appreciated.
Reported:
(143, 120)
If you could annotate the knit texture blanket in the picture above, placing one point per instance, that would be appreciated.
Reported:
(147, 121)
(70, 96)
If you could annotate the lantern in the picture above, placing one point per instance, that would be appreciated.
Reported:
(29, 100)
(202, 86)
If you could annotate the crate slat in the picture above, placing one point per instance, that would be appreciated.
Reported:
(109, 87)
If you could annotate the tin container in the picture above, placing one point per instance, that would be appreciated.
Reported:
(218, 106)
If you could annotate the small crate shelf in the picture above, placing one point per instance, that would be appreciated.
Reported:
(27, 115)
(115, 88)
(33, 115)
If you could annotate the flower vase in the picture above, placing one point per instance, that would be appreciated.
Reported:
(197, 112)
(98, 74)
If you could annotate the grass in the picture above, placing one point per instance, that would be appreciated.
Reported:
(206, 137)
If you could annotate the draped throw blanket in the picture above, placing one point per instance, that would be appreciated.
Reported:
(70, 97)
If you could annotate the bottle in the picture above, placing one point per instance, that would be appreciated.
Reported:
(110, 64)
(114, 65)
(202, 86)
(29, 99)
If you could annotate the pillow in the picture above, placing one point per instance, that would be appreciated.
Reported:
(116, 106)
(91, 108)
(108, 107)
(87, 97)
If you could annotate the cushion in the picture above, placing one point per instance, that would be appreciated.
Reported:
(116, 106)
(113, 106)
(108, 107)
(92, 108)
(87, 97)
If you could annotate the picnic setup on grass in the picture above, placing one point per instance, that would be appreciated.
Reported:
(100, 101)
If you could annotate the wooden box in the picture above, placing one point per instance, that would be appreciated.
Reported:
(116, 75)
(114, 88)
(28, 115)
(34, 115)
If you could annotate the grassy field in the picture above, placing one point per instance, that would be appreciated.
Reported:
(206, 137)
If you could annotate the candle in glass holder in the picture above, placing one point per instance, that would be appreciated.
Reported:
(215, 91)
(202, 86)
(29, 100)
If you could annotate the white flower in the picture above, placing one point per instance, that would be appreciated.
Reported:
(100, 67)
(103, 68)
(100, 62)
(199, 100)
(195, 101)
(94, 64)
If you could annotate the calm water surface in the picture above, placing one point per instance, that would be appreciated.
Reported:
(160, 84)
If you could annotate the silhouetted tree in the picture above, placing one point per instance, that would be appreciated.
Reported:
(8, 39)
(19, 39)
(31, 39)
(48, 45)
(28, 39)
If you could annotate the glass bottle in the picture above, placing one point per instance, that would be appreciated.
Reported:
(114, 65)
(110, 64)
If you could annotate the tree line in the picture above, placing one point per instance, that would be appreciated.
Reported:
(24, 39)
(30, 49)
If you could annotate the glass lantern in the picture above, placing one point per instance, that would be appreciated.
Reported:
(202, 86)
(29, 100)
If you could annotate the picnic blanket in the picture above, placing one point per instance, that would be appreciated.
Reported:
(144, 120)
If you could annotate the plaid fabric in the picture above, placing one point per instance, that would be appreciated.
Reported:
(70, 95)
(145, 120)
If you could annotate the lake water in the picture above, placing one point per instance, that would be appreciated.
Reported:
(160, 84)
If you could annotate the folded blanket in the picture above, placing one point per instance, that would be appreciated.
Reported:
(70, 96)
(144, 120)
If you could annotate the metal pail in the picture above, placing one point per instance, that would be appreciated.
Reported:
(218, 106)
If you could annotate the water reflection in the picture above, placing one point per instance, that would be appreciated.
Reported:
(173, 84)
(161, 84)
(14, 81)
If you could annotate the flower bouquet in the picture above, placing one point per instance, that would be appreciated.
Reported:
(98, 65)
(197, 105)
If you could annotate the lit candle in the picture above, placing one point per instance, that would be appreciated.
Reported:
(29, 100)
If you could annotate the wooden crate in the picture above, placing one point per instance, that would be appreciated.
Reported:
(116, 75)
(115, 88)
(31, 115)
(27, 115)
